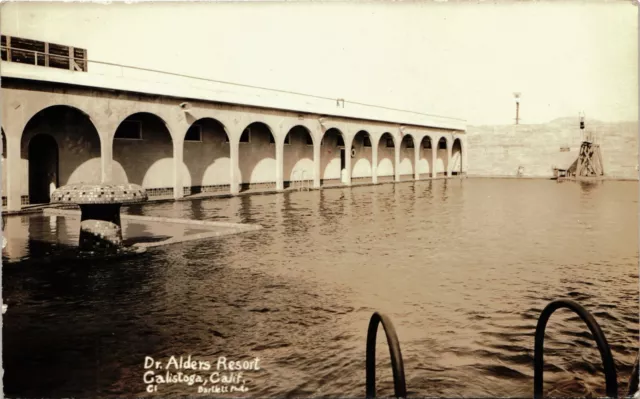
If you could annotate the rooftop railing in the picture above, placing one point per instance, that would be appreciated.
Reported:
(76, 59)
(34, 52)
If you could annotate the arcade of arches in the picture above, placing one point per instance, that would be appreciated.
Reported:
(60, 145)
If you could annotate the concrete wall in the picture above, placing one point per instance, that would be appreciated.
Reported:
(207, 163)
(258, 157)
(330, 157)
(361, 163)
(441, 161)
(407, 156)
(162, 161)
(456, 157)
(386, 158)
(424, 161)
(298, 156)
(78, 146)
(147, 162)
(501, 150)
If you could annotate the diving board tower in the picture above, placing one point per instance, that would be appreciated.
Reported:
(589, 163)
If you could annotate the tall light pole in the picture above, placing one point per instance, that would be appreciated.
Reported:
(516, 96)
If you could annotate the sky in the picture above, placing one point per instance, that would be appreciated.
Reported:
(462, 59)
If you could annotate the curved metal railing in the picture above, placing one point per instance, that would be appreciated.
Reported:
(633, 380)
(397, 365)
(605, 351)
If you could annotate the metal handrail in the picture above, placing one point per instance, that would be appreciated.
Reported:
(605, 351)
(46, 57)
(36, 53)
(633, 380)
(397, 365)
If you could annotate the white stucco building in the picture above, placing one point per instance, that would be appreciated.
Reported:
(67, 119)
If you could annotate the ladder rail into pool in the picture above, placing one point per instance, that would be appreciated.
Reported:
(633, 389)
(611, 380)
(397, 364)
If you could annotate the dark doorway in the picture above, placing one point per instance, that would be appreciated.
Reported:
(43, 168)
(343, 162)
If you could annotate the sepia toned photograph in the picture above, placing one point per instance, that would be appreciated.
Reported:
(331, 199)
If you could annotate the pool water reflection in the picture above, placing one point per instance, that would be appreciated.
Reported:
(462, 267)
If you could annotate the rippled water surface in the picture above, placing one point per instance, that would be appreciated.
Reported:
(463, 268)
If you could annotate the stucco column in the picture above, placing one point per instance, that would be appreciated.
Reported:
(449, 156)
(234, 167)
(347, 159)
(317, 153)
(396, 149)
(434, 156)
(106, 157)
(178, 156)
(279, 164)
(463, 155)
(14, 173)
(416, 173)
(374, 162)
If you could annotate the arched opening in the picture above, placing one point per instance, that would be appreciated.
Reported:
(333, 157)
(386, 158)
(456, 157)
(43, 168)
(74, 156)
(257, 157)
(143, 154)
(4, 144)
(206, 157)
(425, 158)
(298, 156)
(4, 168)
(407, 157)
(442, 159)
(361, 155)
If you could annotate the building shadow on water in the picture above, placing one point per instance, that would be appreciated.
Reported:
(444, 190)
(197, 213)
(62, 317)
(589, 186)
(294, 219)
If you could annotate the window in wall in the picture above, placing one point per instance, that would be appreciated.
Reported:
(410, 144)
(194, 133)
(442, 145)
(389, 142)
(309, 139)
(340, 141)
(129, 130)
(367, 141)
(427, 143)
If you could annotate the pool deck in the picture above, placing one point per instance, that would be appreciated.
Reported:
(37, 208)
(26, 209)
